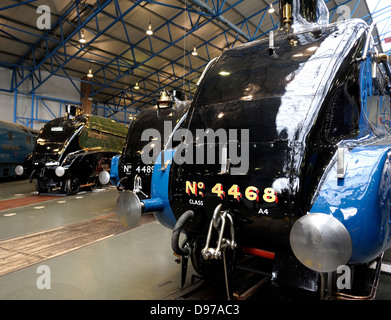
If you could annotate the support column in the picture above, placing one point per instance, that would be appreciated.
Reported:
(15, 104)
(31, 121)
(85, 89)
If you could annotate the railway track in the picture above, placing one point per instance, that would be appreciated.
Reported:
(24, 251)
(246, 283)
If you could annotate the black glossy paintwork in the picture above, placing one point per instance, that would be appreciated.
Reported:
(60, 143)
(131, 163)
(293, 129)
(51, 144)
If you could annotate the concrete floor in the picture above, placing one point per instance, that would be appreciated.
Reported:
(12, 189)
(55, 213)
(136, 264)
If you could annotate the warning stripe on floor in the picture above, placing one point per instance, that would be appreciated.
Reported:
(25, 201)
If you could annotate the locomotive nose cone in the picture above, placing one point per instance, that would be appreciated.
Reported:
(128, 209)
(321, 242)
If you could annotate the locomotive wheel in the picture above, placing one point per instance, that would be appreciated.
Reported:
(39, 186)
(94, 186)
(72, 186)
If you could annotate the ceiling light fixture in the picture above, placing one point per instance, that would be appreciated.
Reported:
(82, 40)
(136, 86)
(271, 8)
(149, 31)
(89, 74)
(194, 52)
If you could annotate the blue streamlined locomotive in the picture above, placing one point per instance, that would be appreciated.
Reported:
(308, 111)
(16, 142)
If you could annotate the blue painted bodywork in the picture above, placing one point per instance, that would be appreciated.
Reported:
(158, 203)
(361, 200)
(16, 141)
(114, 177)
(159, 190)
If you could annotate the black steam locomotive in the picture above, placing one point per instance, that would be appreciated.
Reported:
(71, 151)
(162, 119)
(284, 154)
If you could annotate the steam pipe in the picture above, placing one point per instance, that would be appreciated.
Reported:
(177, 231)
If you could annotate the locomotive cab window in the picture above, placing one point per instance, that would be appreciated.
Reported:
(382, 89)
(10, 136)
(378, 103)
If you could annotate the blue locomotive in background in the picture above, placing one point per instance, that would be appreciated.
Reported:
(16, 142)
